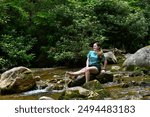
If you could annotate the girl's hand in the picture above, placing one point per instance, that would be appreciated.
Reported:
(103, 71)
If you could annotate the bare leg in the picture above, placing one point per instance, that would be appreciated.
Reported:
(90, 70)
(87, 76)
(82, 71)
(86, 71)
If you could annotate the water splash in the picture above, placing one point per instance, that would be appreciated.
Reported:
(33, 92)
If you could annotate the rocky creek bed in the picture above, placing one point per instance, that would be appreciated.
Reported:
(51, 84)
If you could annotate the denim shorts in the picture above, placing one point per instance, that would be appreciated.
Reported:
(97, 66)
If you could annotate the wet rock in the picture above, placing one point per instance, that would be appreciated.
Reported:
(37, 78)
(60, 81)
(136, 73)
(53, 86)
(79, 81)
(144, 84)
(41, 84)
(56, 76)
(146, 72)
(102, 78)
(112, 85)
(145, 93)
(45, 98)
(93, 85)
(118, 75)
(16, 80)
(125, 85)
(115, 68)
(53, 81)
(80, 93)
(49, 87)
(130, 84)
(74, 93)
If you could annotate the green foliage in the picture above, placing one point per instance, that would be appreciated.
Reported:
(3, 64)
(48, 32)
(16, 51)
(124, 28)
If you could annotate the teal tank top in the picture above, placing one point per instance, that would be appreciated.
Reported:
(93, 58)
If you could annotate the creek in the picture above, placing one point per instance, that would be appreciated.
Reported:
(136, 87)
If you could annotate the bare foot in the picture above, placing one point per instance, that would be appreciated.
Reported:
(69, 73)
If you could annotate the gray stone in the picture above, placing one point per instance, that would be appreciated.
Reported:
(115, 68)
(111, 58)
(16, 80)
(141, 58)
(45, 98)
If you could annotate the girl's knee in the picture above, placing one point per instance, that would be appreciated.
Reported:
(87, 70)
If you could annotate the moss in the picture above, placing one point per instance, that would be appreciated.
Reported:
(130, 68)
(103, 93)
(70, 95)
(93, 85)
(137, 68)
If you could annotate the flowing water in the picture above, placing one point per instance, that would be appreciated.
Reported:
(48, 75)
(65, 85)
(120, 88)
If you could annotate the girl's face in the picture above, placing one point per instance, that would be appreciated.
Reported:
(95, 47)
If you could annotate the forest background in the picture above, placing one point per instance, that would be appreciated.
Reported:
(48, 33)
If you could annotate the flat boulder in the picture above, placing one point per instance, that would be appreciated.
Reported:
(102, 78)
(17, 80)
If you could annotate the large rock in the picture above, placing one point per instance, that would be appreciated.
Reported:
(102, 78)
(16, 80)
(141, 58)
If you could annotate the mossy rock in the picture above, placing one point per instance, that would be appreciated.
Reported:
(91, 95)
(73, 93)
(93, 85)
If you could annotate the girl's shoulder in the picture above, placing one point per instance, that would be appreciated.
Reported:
(91, 51)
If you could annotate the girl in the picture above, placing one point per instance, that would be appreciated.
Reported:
(93, 63)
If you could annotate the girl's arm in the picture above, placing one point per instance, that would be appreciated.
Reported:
(105, 63)
(87, 62)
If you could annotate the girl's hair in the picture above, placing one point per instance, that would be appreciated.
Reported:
(99, 45)
(97, 42)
